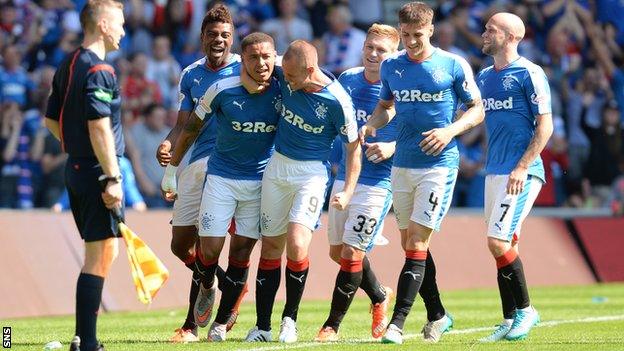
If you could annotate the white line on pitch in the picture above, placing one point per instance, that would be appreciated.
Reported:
(411, 336)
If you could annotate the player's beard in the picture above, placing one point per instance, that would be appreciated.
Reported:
(491, 49)
(257, 77)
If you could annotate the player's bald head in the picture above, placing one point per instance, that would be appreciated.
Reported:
(302, 53)
(510, 23)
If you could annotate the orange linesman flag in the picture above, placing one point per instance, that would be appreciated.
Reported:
(148, 272)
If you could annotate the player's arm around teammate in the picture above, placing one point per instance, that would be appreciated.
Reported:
(217, 32)
(245, 131)
(302, 72)
(314, 110)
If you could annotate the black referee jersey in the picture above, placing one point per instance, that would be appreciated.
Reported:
(84, 88)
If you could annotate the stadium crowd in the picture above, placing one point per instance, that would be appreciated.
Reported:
(578, 43)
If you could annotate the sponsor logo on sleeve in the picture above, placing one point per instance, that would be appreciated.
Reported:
(348, 128)
(103, 95)
(537, 99)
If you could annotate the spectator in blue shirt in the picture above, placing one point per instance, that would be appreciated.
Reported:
(15, 85)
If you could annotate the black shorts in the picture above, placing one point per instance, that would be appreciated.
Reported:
(94, 221)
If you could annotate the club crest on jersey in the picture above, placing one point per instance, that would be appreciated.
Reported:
(277, 103)
(320, 110)
(508, 80)
(437, 75)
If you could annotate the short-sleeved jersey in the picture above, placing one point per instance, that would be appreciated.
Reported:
(617, 85)
(195, 80)
(365, 95)
(426, 95)
(246, 125)
(84, 88)
(512, 98)
(311, 120)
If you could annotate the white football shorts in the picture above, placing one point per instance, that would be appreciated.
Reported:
(225, 198)
(292, 191)
(190, 186)
(360, 223)
(505, 213)
(422, 195)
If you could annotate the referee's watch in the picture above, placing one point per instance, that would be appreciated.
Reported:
(104, 179)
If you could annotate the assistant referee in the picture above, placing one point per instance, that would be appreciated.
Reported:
(84, 114)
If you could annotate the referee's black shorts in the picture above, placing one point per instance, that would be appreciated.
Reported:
(94, 221)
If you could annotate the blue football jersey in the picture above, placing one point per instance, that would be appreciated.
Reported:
(15, 86)
(426, 95)
(246, 125)
(310, 121)
(195, 80)
(512, 97)
(365, 96)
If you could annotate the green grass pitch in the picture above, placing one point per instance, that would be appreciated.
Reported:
(573, 318)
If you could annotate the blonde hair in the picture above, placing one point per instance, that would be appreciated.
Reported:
(92, 11)
(385, 31)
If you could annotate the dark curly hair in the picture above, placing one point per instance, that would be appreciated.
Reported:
(219, 13)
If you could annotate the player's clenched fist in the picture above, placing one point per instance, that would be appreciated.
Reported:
(340, 200)
(366, 131)
(378, 152)
(163, 153)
